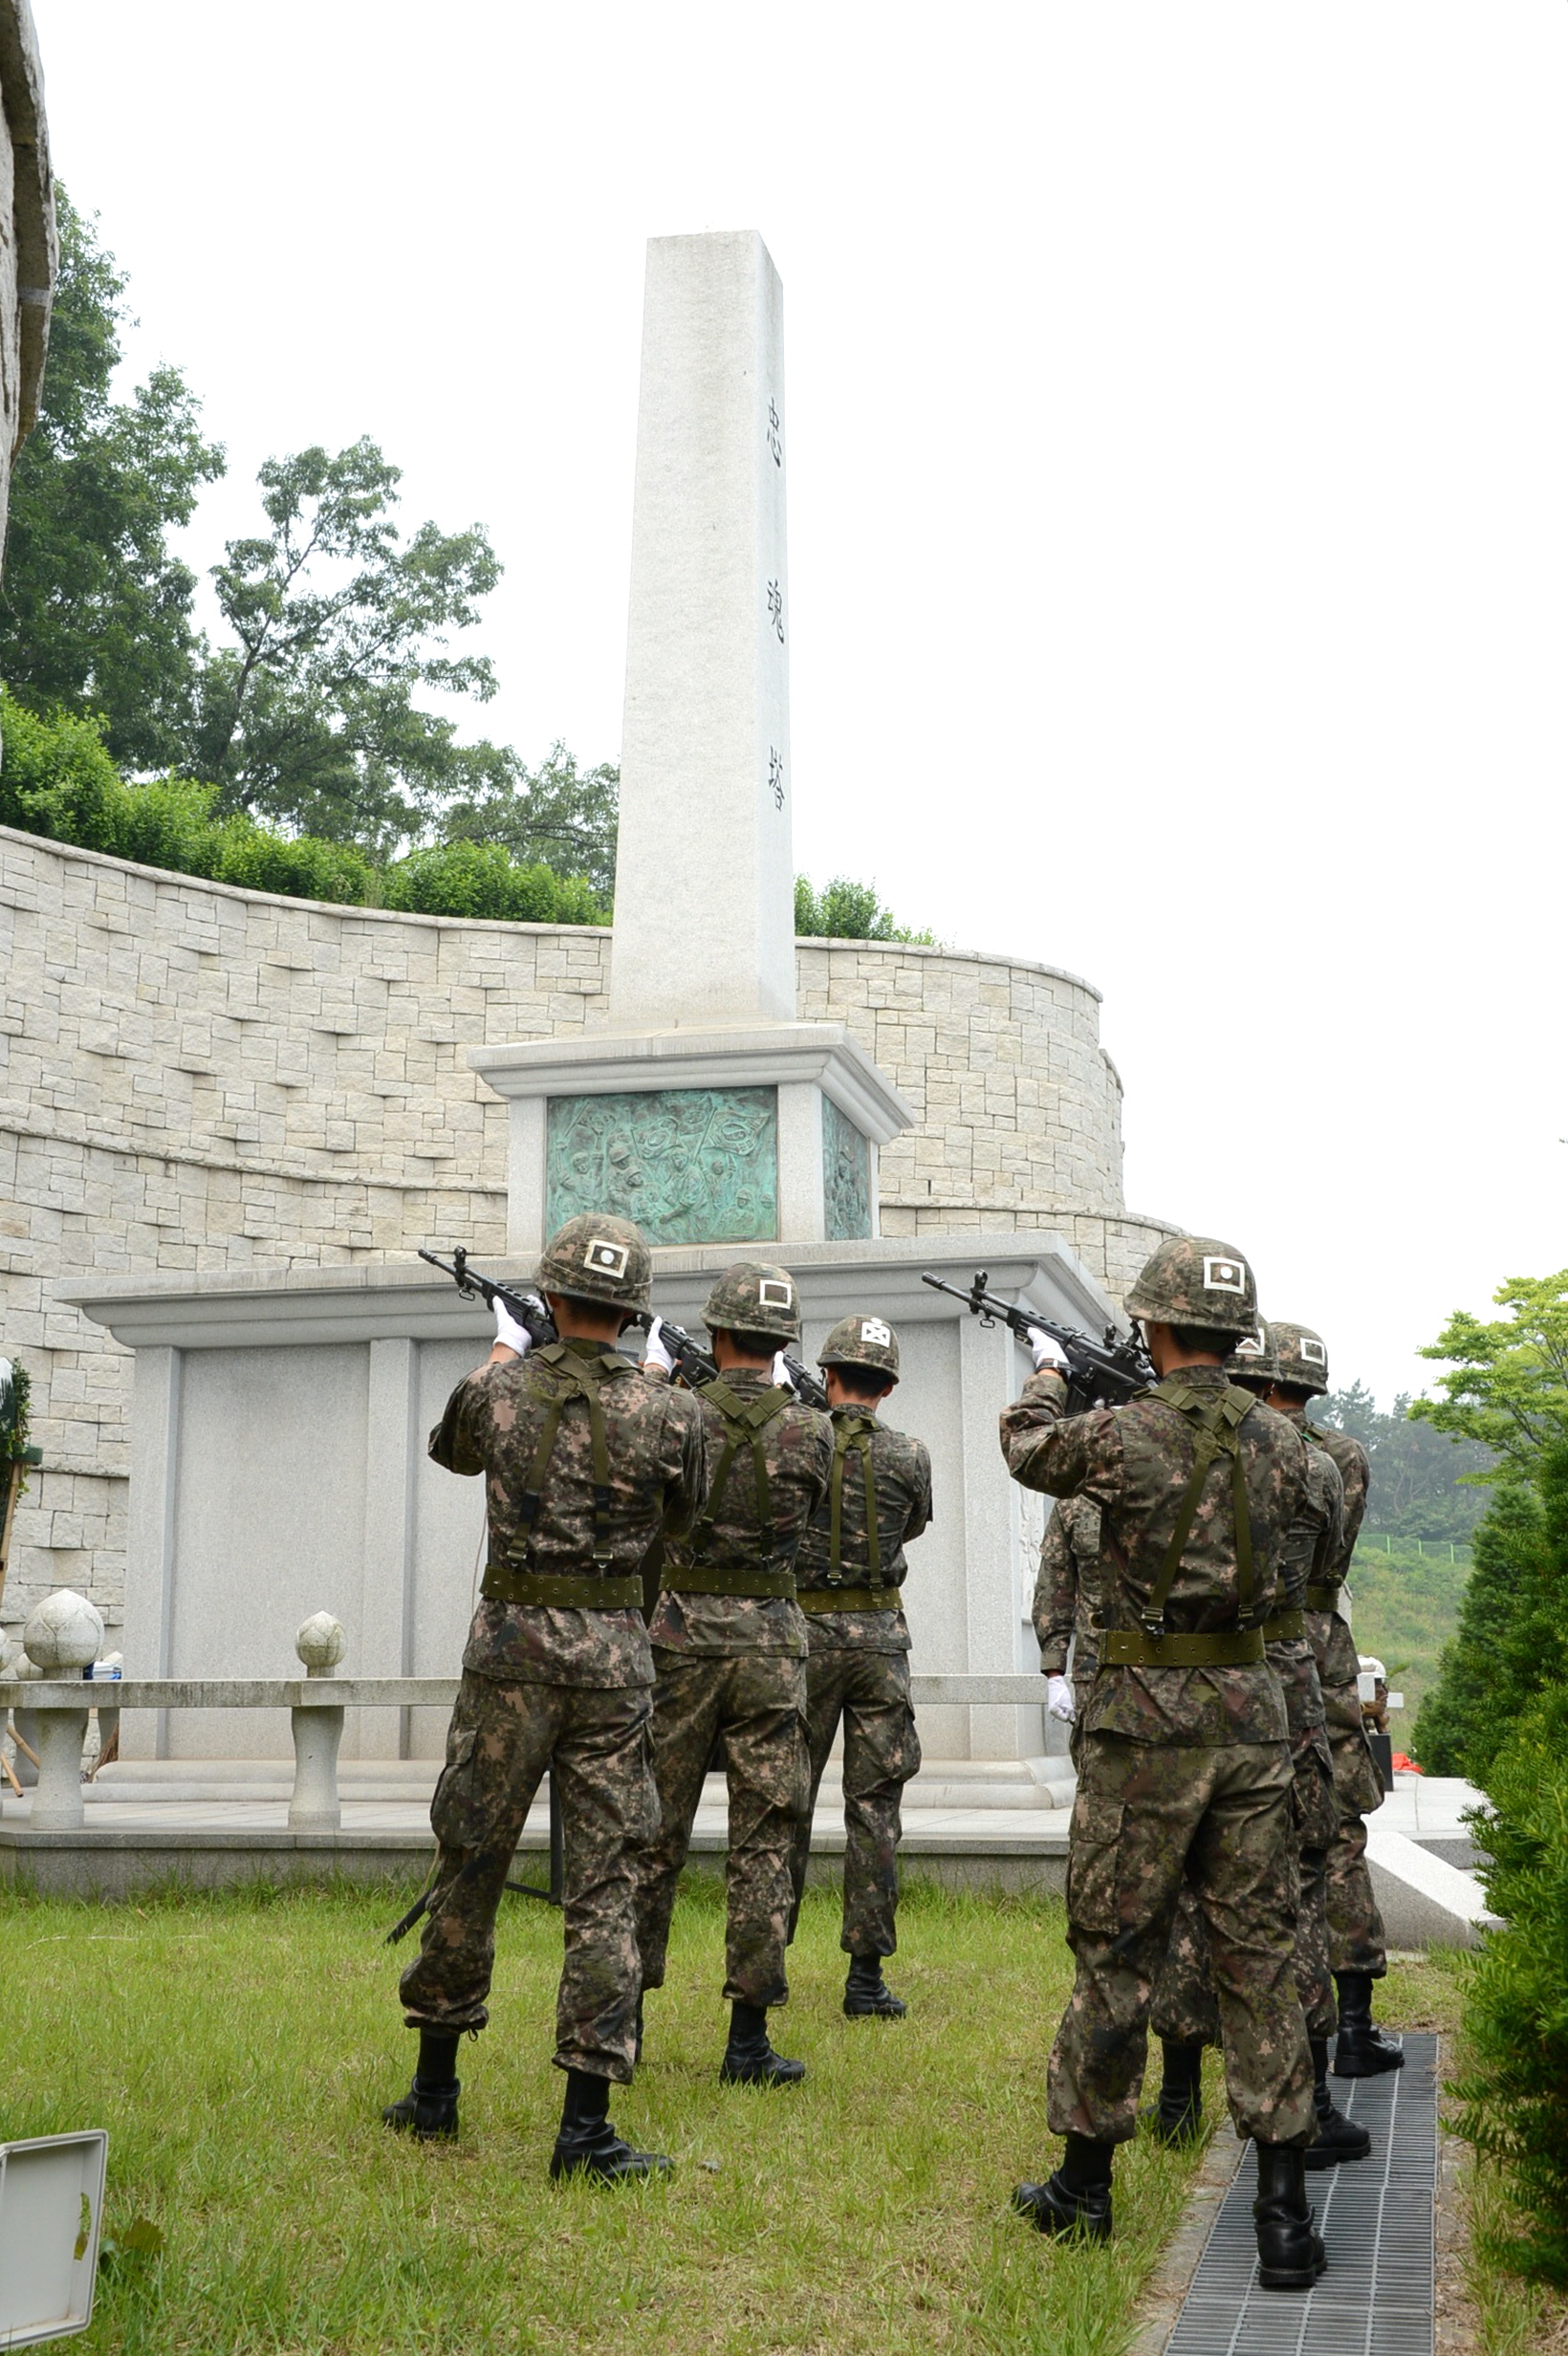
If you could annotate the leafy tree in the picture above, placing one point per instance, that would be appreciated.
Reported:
(94, 612)
(482, 879)
(1509, 1387)
(311, 718)
(1424, 1484)
(1515, 2090)
(848, 911)
(556, 814)
(1485, 1677)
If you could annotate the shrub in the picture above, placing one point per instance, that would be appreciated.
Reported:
(58, 780)
(482, 879)
(1515, 2093)
(848, 911)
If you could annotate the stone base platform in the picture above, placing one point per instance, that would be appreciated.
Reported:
(968, 1824)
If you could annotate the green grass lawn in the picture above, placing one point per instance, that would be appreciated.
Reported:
(238, 2051)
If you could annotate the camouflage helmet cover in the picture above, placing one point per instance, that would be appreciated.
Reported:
(1196, 1280)
(862, 1340)
(1254, 1359)
(1303, 1359)
(595, 1257)
(752, 1297)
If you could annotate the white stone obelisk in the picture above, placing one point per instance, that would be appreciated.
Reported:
(705, 895)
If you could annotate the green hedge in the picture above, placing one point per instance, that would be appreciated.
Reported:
(58, 780)
(1515, 2093)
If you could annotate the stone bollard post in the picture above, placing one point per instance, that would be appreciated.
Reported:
(317, 1732)
(56, 1798)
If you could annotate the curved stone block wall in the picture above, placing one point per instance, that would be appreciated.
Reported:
(195, 1077)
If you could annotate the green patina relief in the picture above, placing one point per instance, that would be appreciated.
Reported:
(846, 1177)
(689, 1165)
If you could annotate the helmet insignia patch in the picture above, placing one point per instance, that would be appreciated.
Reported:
(605, 1259)
(1313, 1352)
(1248, 1346)
(1224, 1275)
(872, 1329)
(776, 1293)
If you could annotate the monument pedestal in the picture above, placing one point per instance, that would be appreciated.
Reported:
(759, 1134)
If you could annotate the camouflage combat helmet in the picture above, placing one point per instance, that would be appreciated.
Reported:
(1196, 1280)
(1303, 1359)
(595, 1257)
(1254, 1361)
(862, 1340)
(754, 1298)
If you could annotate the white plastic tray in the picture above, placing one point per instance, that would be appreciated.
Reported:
(51, 2213)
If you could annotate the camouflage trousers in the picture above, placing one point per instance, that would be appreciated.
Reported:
(869, 1691)
(595, 1741)
(1356, 1937)
(753, 1704)
(1184, 2010)
(1148, 1817)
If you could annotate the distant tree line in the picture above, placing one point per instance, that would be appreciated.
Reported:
(296, 750)
(1423, 1480)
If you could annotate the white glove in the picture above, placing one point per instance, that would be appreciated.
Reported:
(655, 1353)
(781, 1372)
(516, 1336)
(1045, 1352)
(1059, 1699)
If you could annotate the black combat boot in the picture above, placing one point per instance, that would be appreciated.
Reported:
(588, 2145)
(429, 2111)
(1179, 2112)
(1361, 2050)
(749, 2059)
(867, 1997)
(1078, 2198)
(1338, 2138)
(1289, 2252)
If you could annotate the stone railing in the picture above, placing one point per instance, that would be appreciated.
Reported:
(58, 1708)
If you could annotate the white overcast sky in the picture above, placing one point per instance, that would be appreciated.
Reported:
(1179, 501)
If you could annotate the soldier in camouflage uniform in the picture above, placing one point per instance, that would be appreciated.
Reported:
(848, 1575)
(1185, 2015)
(1357, 1945)
(586, 1462)
(729, 1654)
(1184, 1758)
(1066, 1599)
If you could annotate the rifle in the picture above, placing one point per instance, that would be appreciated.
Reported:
(1100, 1374)
(695, 1367)
(527, 1308)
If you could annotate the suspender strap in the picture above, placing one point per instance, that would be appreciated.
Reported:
(744, 1419)
(1218, 1416)
(570, 1377)
(853, 1431)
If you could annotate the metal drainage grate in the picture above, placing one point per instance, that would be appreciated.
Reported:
(1378, 2218)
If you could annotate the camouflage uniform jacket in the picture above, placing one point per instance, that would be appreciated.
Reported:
(901, 1470)
(1335, 1646)
(797, 1450)
(1067, 1590)
(1311, 1542)
(493, 1424)
(1134, 1462)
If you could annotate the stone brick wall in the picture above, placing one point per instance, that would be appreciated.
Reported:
(193, 1077)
